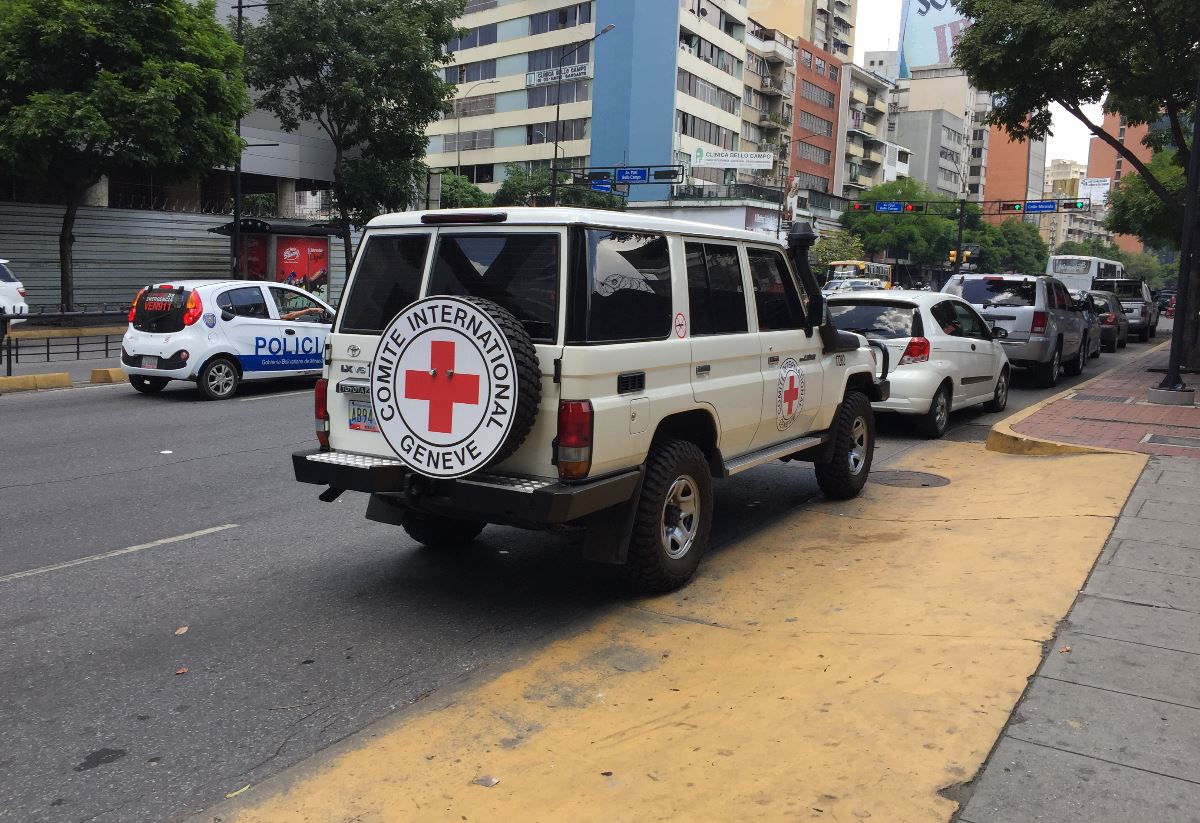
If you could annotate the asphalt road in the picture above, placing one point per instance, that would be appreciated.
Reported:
(124, 518)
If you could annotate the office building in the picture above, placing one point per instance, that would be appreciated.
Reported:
(937, 140)
(865, 98)
(1104, 162)
(1017, 171)
(1062, 183)
(884, 63)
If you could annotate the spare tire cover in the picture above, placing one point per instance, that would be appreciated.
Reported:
(455, 385)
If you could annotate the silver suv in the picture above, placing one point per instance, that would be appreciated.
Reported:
(1047, 328)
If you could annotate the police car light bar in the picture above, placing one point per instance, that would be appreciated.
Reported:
(465, 217)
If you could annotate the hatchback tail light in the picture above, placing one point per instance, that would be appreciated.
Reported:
(21, 291)
(192, 309)
(133, 305)
(1108, 319)
(1040, 321)
(321, 411)
(573, 446)
(917, 351)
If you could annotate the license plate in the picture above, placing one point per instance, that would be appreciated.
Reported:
(149, 362)
(362, 419)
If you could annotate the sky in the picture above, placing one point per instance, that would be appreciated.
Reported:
(878, 29)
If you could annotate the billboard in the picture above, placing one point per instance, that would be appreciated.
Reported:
(928, 32)
(724, 159)
(1096, 190)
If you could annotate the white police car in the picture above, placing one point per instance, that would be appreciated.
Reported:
(221, 332)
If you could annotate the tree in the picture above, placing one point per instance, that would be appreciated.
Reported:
(531, 187)
(1134, 209)
(458, 192)
(925, 237)
(1141, 59)
(1023, 248)
(838, 245)
(93, 87)
(365, 71)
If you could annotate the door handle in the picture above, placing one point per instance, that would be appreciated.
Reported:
(293, 331)
(704, 369)
(772, 360)
(972, 347)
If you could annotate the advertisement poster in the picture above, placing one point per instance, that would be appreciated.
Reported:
(303, 262)
(1096, 190)
(254, 253)
(724, 159)
(928, 32)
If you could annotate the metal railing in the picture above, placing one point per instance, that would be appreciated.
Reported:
(737, 191)
(18, 349)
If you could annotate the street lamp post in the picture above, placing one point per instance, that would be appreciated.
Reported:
(558, 108)
(458, 124)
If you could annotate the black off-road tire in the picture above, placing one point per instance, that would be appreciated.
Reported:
(933, 423)
(1046, 374)
(1075, 367)
(838, 479)
(148, 385)
(999, 399)
(528, 376)
(651, 568)
(440, 532)
(212, 389)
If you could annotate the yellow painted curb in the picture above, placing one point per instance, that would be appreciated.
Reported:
(1003, 439)
(108, 376)
(39, 334)
(32, 382)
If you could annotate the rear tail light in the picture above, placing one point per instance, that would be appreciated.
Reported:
(192, 309)
(573, 446)
(321, 412)
(917, 351)
(1108, 319)
(1040, 319)
(133, 305)
(21, 291)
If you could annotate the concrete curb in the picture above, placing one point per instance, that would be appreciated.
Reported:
(108, 375)
(33, 382)
(1003, 439)
(39, 334)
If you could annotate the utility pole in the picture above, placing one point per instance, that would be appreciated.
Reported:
(962, 221)
(558, 108)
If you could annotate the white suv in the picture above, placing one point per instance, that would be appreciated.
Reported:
(537, 367)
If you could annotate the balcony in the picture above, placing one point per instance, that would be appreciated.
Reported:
(738, 191)
(769, 120)
(858, 95)
(877, 104)
(874, 157)
(864, 128)
(855, 150)
(781, 53)
(771, 87)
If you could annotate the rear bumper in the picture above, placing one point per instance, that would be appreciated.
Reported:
(1029, 352)
(520, 501)
(911, 390)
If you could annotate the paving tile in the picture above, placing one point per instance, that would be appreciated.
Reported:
(1132, 731)
(1025, 782)
(1183, 480)
(1170, 510)
(1153, 557)
(1152, 588)
(1132, 668)
(1179, 496)
(1175, 534)
(1166, 628)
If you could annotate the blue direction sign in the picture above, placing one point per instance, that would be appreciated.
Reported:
(889, 206)
(602, 185)
(633, 175)
(1036, 206)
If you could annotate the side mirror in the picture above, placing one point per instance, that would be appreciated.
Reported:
(226, 316)
(999, 332)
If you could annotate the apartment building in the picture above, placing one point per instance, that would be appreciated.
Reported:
(884, 63)
(827, 24)
(768, 102)
(864, 116)
(1062, 183)
(1103, 161)
(896, 160)
(937, 138)
(1017, 172)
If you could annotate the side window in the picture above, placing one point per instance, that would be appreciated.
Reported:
(775, 294)
(718, 301)
(972, 324)
(1060, 296)
(246, 301)
(297, 307)
(388, 279)
(946, 318)
(629, 287)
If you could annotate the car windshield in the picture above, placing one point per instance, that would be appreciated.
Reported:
(1121, 288)
(6, 275)
(996, 292)
(874, 319)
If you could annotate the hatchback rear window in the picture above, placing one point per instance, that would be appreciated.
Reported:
(6, 275)
(874, 319)
(388, 278)
(998, 292)
(518, 271)
(160, 311)
(1121, 288)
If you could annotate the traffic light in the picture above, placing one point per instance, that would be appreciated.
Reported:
(966, 256)
(1011, 207)
(914, 207)
(860, 206)
(953, 256)
(1074, 205)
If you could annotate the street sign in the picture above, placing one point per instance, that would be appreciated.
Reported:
(633, 175)
(602, 185)
(1038, 206)
(890, 206)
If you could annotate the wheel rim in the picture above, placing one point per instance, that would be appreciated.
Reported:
(220, 379)
(680, 517)
(1002, 390)
(858, 445)
(941, 411)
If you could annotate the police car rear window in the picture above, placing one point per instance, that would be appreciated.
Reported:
(388, 278)
(6, 275)
(160, 311)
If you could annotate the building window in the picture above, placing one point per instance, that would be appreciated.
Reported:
(818, 95)
(468, 140)
(806, 58)
(479, 5)
(819, 66)
(693, 86)
(576, 129)
(470, 72)
(703, 130)
(564, 18)
(478, 36)
(548, 58)
(481, 173)
(751, 132)
(572, 92)
(757, 65)
(833, 71)
(812, 182)
(699, 47)
(473, 106)
(815, 154)
(975, 171)
(976, 154)
(816, 125)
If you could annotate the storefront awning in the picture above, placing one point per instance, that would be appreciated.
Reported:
(292, 228)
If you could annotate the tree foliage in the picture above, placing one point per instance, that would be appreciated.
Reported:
(460, 193)
(524, 187)
(365, 71)
(1134, 209)
(838, 245)
(924, 238)
(94, 87)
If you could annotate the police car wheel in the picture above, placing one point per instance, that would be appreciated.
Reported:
(148, 385)
(218, 379)
(440, 532)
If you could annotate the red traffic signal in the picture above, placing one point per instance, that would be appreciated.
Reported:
(914, 207)
(858, 205)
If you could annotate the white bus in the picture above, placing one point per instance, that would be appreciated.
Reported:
(1077, 272)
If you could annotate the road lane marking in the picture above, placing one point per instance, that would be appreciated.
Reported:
(117, 552)
(273, 396)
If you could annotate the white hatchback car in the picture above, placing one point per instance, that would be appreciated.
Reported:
(218, 333)
(944, 356)
(12, 294)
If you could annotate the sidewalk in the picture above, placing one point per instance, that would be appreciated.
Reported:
(1109, 727)
(33, 361)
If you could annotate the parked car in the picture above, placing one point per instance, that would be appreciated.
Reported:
(1141, 310)
(1092, 316)
(851, 284)
(1114, 327)
(12, 294)
(218, 333)
(1046, 330)
(1171, 306)
(944, 355)
(1163, 298)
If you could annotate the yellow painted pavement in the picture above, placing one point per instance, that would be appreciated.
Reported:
(844, 664)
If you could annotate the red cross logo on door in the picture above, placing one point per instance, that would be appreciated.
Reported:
(442, 387)
(791, 394)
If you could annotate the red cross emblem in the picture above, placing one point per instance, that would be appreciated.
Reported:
(441, 386)
(790, 395)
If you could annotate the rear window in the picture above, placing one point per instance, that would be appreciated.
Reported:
(388, 278)
(1121, 288)
(518, 271)
(996, 292)
(872, 319)
(1072, 265)
(160, 311)
(6, 275)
